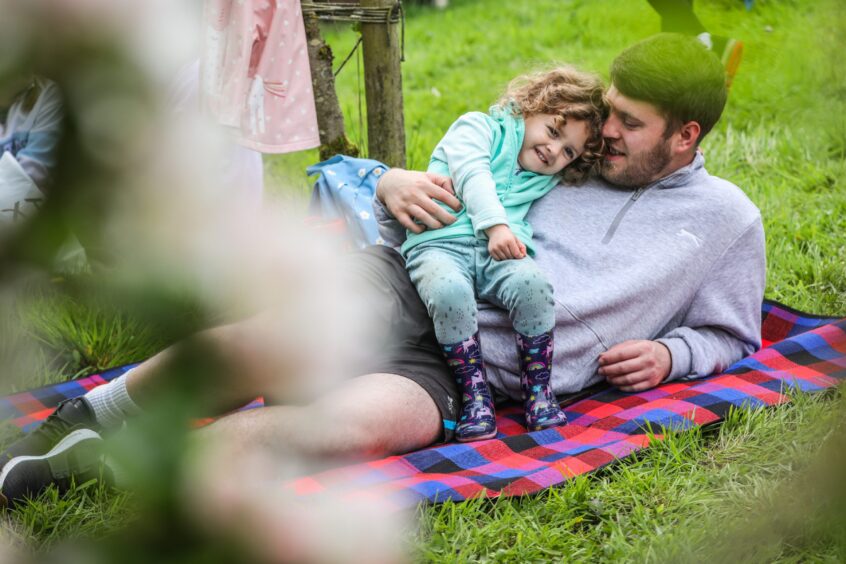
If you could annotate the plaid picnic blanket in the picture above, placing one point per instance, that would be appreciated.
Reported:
(801, 352)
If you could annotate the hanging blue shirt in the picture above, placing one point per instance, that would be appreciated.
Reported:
(344, 190)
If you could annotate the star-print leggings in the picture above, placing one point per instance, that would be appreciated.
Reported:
(451, 274)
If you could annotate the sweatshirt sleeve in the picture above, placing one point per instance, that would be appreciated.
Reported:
(723, 323)
(390, 229)
(467, 150)
(38, 157)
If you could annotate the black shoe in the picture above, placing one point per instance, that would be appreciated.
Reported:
(77, 458)
(71, 415)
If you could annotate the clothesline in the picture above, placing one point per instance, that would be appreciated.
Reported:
(353, 12)
(326, 11)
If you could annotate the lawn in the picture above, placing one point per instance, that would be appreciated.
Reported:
(759, 487)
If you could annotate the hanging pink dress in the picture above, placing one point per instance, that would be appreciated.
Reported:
(255, 74)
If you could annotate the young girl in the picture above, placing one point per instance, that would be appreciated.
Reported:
(545, 129)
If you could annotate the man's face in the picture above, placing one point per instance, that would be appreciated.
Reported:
(636, 151)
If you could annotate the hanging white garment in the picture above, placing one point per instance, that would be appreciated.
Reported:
(255, 75)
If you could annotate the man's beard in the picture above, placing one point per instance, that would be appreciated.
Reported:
(641, 169)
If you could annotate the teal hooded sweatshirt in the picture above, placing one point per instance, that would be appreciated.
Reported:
(479, 153)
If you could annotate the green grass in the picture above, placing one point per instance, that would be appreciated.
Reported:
(758, 487)
(87, 511)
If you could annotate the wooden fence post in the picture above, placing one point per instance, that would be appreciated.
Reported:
(330, 119)
(383, 88)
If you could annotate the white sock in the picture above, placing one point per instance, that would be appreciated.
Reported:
(111, 403)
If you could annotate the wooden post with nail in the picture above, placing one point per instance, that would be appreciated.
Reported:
(383, 87)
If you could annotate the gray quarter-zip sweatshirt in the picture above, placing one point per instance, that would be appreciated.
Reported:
(681, 261)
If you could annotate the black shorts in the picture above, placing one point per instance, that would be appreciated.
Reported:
(411, 350)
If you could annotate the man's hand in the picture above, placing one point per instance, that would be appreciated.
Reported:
(410, 195)
(634, 366)
(503, 244)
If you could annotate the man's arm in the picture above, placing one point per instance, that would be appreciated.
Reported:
(721, 326)
(403, 196)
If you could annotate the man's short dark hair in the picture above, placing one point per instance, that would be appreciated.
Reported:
(678, 75)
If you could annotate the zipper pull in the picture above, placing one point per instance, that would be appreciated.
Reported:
(637, 194)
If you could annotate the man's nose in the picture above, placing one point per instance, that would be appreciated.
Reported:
(611, 128)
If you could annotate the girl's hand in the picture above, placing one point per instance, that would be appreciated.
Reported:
(503, 244)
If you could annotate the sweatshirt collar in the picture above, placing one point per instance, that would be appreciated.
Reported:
(682, 176)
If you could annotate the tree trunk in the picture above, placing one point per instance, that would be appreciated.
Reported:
(330, 119)
(383, 89)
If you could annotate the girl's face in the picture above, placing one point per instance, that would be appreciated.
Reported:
(547, 149)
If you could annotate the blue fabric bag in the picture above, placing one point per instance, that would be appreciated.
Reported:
(344, 190)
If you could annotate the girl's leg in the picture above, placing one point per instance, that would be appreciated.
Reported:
(539, 403)
(519, 286)
(442, 272)
(443, 275)
(478, 419)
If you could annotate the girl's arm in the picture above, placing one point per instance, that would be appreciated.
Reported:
(465, 153)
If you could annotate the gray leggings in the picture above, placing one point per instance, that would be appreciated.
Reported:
(450, 274)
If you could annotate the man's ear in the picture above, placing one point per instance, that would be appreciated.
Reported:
(687, 136)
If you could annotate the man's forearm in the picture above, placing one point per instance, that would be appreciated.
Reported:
(391, 230)
(387, 182)
(410, 196)
(723, 322)
(704, 351)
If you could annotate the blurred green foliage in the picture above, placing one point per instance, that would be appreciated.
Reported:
(739, 490)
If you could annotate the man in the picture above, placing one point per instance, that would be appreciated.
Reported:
(658, 270)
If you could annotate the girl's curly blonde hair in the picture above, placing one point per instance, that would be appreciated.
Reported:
(566, 93)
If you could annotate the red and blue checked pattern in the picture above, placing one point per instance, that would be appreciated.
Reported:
(27, 409)
(780, 322)
(803, 352)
